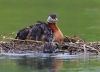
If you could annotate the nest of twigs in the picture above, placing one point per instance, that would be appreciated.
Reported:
(71, 45)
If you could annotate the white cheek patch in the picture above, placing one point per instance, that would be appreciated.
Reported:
(56, 19)
(50, 20)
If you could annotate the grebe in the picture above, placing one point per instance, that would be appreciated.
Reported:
(52, 23)
(42, 31)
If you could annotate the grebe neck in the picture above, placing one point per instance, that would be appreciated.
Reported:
(53, 26)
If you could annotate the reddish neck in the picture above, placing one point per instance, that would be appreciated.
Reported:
(53, 26)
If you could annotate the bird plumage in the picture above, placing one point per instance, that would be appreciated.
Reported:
(52, 23)
(42, 31)
(39, 31)
(22, 34)
(57, 32)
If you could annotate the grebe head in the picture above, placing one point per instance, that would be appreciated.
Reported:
(52, 18)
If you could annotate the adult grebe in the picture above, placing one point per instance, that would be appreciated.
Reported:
(42, 31)
(52, 23)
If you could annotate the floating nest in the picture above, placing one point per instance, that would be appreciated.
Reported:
(72, 45)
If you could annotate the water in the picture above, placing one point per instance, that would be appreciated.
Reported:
(48, 63)
(75, 17)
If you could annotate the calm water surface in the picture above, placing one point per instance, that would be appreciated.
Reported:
(49, 63)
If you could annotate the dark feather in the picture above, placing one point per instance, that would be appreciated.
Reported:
(37, 30)
(22, 34)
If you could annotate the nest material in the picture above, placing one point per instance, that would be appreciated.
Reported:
(71, 45)
(73, 39)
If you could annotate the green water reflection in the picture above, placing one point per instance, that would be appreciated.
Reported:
(50, 64)
(75, 17)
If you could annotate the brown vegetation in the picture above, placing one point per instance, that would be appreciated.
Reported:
(71, 45)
